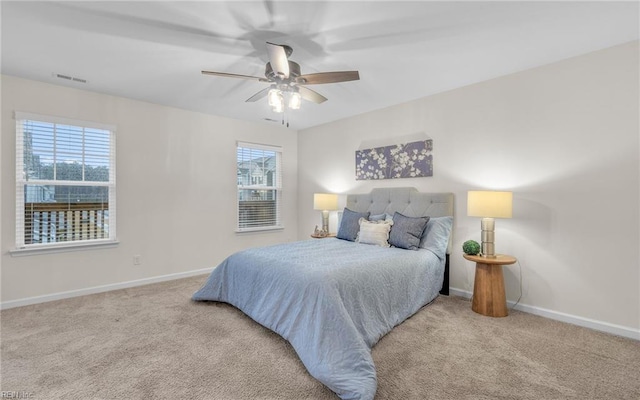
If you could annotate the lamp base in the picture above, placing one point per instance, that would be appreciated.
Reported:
(488, 235)
(325, 221)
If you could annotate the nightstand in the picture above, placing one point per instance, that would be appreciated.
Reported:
(488, 288)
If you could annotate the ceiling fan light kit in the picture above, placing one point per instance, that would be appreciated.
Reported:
(287, 82)
(276, 98)
(295, 100)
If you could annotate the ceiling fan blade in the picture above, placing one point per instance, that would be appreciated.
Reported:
(311, 95)
(328, 77)
(278, 60)
(261, 94)
(227, 75)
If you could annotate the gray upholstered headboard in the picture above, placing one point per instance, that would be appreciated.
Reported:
(407, 201)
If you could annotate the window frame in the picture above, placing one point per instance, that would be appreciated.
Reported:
(22, 180)
(276, 188)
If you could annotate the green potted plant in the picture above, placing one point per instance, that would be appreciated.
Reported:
(471, 247)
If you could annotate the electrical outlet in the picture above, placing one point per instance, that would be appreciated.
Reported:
(137, 259)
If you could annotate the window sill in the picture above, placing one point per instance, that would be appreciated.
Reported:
(63, 248)
(257, 230)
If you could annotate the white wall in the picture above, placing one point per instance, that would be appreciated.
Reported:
(176, 190)
(563, 137)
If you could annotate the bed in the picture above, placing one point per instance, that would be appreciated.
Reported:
(333, 299)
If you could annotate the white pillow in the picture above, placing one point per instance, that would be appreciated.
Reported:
(374, 232)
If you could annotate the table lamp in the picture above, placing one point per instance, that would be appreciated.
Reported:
(325, 202)
(489, 205)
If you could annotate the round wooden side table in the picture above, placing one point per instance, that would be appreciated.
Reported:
(488, 287)
(330, 235)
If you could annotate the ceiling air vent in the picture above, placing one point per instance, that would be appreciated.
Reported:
(69, 78)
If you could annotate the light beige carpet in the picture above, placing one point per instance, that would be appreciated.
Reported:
(152, 342)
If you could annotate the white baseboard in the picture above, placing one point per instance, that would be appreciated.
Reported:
(99, 289)
(568, 318)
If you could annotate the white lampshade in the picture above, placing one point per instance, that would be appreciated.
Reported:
(489, 204)
(325, 201)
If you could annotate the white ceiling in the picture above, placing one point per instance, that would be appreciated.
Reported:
(154, 51)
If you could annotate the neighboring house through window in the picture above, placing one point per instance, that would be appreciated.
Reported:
(65, 182)
(259, 179)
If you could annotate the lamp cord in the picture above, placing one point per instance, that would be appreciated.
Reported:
(519, 297)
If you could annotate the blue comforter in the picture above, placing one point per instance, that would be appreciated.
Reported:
(331, 299)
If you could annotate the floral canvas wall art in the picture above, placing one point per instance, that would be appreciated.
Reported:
(408, 160)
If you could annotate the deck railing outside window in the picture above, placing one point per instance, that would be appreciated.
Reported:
(65, 222)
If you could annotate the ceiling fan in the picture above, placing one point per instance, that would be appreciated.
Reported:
(287, 81)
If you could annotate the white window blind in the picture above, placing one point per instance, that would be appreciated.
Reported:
(259, 177)
(65, 181)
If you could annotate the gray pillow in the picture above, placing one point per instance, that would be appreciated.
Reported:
(349, 226)
(407, 231)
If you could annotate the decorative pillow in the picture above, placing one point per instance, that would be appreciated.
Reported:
(436, 235)
(407, 231)
(349, 225)
(374, 232)
(381, 217)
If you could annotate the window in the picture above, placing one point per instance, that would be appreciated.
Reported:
(259, 178)
(65, 182)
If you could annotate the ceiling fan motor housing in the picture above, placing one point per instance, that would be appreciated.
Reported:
(294, 72)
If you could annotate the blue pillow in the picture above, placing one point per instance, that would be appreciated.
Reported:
(407, 231)
(350, 225)
(436, 235)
